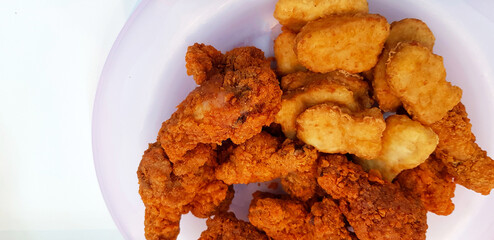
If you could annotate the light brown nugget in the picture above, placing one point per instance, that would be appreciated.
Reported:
(405, 145)
(314, 88)
(405, 30)
(333, 129)
(286, 59)
(294, 14)
(349, 42)
(418, 78)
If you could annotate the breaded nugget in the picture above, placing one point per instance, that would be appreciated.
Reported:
(405, 145)
(167, 196)
(405, 30)
(348, 42)
(464, 159)
(306, 89)
(333, 129)
(235, 103)
(418, 78)
(432, 183)
(263, 158)
(294, 14)
(376, 209)
(286, 59)
(226, 226)
(284, 218)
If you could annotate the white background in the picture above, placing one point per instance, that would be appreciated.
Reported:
(51, 55)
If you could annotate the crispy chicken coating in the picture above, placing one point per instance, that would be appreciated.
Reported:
(301, 184)
(235, 100)
(376, 209)
(464, 159)
(285, 218)
(263, 158)
(167, 196)
(226, 226)
(286, 59)
(432, 183)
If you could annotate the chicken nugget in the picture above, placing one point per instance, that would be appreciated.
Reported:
(286, 59)
(334, 129)
(294, 14)
(315, 88)
(405, 30)
(418, 78)
(349, 42)
(405, 145)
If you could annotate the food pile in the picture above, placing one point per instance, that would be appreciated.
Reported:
(317, 122)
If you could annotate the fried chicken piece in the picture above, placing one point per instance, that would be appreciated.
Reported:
(405, 30)
(301, 184)
(464, 159)
(203, 61)
(167, 196)
(432, 184)
(226, 226)
(285, 218)
(351, 42)
(263, 158)
(294, 14)
(334, 129)
(418, 78)
(306, 89)
(237, 99)
(286, 59)
(376, 209)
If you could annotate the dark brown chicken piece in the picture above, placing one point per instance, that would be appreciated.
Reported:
(432, 184)
(235, 100)
(263, 158)
(285, 218)
(226, 226)
(167, 195)
(376, 209)
(464, 159)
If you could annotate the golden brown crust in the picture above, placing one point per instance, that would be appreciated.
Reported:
(226, 226)
(232, 105)
(418, 78)
(284, 218)
(167, 196)
(465, 160)
(263, 158)
(334, 129)
(294, 14)
(348, 42)
(286, 59)
(432, 183)
(376, 209)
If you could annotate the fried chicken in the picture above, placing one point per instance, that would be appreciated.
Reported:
(464, 159)
(238, 95)
(432, 184)
(285, 218)
(168, 195)
(376, 209)
(226, 226)
(263, 158)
